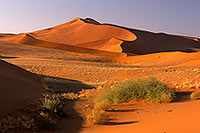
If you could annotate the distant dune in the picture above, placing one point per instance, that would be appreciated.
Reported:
(19, 88)
(27, 39)
(89, 36)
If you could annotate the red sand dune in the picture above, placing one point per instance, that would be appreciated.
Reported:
(80, 31)
(163, 59)
(19, 88)
(85, 35)
(92, 34)
(27, 39)
(148, 42)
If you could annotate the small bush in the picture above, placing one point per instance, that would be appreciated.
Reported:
(102, 105)
(70, 96)
(52, 103)
(195, 95)
(149, 89)
(97, 117)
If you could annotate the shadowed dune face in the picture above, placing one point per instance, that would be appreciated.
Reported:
(19, 88)
(148, 42)
(89, 36)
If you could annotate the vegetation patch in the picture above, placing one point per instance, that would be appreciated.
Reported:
(102, 105)
(149, 89)
(195, 95)
(97, 117)
(70, 96)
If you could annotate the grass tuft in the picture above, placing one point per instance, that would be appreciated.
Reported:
(149, 89)
(97, 117)
(53, 103)
(70, 96)
(102, 105)
(195, 95)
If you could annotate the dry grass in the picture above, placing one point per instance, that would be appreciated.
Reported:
(70, 96)
(195, 95)
(51, 103)
(97, 117)
(102, 105)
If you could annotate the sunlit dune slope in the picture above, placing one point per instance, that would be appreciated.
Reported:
(79, 31)
(164, 59)
(90, 34)
(27, 39)
(19, 88)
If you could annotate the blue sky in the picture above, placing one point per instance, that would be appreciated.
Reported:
(169, 16)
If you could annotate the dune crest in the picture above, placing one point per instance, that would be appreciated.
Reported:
(89, 34)
(79, 31)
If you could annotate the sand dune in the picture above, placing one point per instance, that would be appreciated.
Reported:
(27, 39)
(148, 42)
(90, 34)
(163, 59)
(18, 88)
(80, 31)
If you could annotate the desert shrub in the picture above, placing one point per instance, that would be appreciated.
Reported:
(52, 103)
(149, 89)
(45, 121)
(70, 96)
(97, 117)
(102, 105)
(195, 95)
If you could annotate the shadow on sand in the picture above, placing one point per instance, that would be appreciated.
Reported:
(73, 122)
(61, 85)
(123, 110)
(122, 123)
(6, 57)
(183, 96)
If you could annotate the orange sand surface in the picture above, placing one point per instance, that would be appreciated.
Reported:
(84, 51)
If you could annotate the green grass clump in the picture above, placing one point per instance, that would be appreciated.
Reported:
(149, 89)
(97, 117)
(195, 95)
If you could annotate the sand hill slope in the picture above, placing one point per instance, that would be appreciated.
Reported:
(80, 31)
(27, 39)
(88, 33)
(18, 88)
(148, 42)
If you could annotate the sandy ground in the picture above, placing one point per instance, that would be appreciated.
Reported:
(84, 62)
(138, 117)
(182, 117)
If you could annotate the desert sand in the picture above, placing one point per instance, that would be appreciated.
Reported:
(89, 53)
(19, 88)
